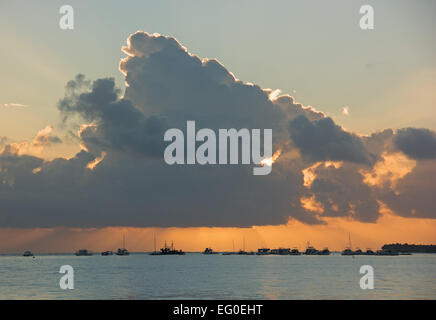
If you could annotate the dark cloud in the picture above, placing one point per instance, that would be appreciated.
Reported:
(342, 192)
(416, 143)
(414, 196)
(323, 140)
(120, 178)
(116, 123)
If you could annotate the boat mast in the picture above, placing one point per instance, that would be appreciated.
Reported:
(154, 242)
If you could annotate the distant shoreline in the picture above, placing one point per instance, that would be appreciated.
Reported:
(410, 248)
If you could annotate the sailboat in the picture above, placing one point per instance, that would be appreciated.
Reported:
(154, 253)
(348, 251)
(310, 250)
(230, 253)
(170, 250)
(123, 251)
(243, 249)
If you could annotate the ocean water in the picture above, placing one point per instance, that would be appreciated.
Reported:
(197, 276)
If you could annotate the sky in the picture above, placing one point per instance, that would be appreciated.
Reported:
(354, 120)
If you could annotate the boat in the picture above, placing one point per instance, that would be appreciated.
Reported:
(155, 252)
(166, 250)
(122, 251)
(348, 251)
(310, 250)
(324, 252)
(386, 253)
(107, 253)
(83, 252)
(243, 252)
(229, 253)
(369, 252)
(295, 252)
(281, 251)
(263, 251)
(28, 254)
(209, 251)
(358, 252)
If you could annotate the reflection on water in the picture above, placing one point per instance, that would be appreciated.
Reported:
(197, 276)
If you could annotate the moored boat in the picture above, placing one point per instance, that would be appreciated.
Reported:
(263, 251)
(123, 251)
(28, 253)
(324, 252)
(209, 251)
(83, 252)
(310, 250)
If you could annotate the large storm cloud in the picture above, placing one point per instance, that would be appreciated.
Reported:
(120, 178)
(417, 143)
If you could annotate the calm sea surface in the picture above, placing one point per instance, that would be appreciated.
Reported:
(197, 276)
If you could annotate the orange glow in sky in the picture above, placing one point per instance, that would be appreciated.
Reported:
(334, 235)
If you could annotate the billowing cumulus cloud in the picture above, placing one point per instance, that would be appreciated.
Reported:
(323, 140)
(416, 143)
(44, 138)
(120, 178)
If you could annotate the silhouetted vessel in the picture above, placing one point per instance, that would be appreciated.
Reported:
(263, 251)
(122, 251)
(232, 252)
(170, 250)
(209, 251)
(295, 252)
(369, 252)
(386, 253)
(281, 251)
(242, 251)
(154, 253)
(348, 251)
(107, 253)
(358, 252)
(27, 254)
(324, 252)
(310, 250)
(83, 252)
(410, 248)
